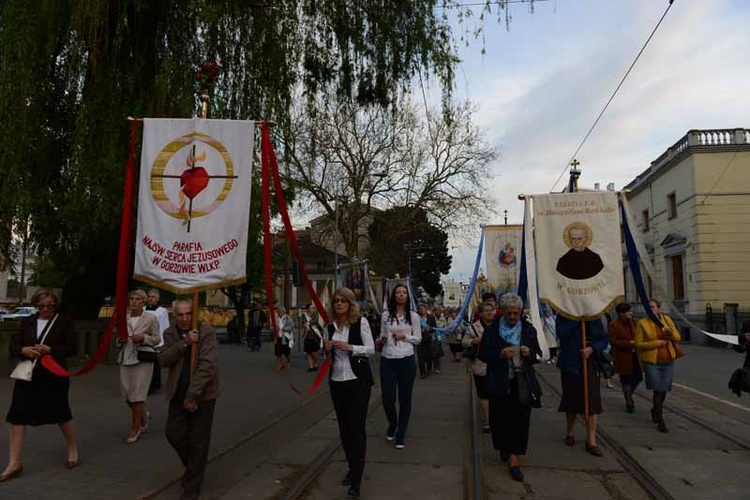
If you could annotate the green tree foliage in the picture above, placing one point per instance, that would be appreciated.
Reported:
(403, 240)
(71, 71)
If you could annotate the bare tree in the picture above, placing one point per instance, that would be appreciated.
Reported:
(361, 159)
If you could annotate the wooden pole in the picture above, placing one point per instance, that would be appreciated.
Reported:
(205, 99)
(585, 372)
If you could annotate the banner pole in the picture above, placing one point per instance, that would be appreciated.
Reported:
(585, 372)
(205, 100)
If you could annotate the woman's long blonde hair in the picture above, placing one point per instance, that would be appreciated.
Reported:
(347, 294)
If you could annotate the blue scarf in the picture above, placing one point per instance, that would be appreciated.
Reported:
(510, 334)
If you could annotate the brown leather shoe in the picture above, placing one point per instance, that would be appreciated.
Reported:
(594, 450)
(11, 475)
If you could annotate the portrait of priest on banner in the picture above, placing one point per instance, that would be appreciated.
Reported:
(580, 262)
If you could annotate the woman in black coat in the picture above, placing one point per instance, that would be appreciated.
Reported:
(510, 347)
(43, 400)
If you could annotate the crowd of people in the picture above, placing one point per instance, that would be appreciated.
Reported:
(500, 344)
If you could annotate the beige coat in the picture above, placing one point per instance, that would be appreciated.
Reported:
(204, 385)
(475, 331)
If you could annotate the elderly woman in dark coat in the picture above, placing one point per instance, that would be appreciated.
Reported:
(570, 363)
(510, 347)
(43, 400)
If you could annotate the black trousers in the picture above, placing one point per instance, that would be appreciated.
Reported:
(350, 401)
(425, 358)
(155, 384)
(509, 422)
(397, 377)
(189, 433)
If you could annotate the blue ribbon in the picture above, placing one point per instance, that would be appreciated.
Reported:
(635, 269)
(472, 287)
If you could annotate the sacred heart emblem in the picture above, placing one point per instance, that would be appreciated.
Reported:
(193, 181)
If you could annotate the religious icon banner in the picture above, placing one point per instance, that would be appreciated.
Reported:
(578, 252)
(503, 257)
(194, 203)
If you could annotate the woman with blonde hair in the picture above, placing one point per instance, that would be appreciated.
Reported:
(44, 399)
(349, 342)
(136, 357)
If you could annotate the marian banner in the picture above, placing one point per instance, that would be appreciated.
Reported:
(503, 257)
(578, 252)
(194, 203)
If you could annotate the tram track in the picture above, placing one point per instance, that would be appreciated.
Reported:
(631, 465)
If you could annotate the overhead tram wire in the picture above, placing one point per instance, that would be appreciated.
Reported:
(567, 165)
(496, 3)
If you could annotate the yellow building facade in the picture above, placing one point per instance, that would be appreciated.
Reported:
(693, 211)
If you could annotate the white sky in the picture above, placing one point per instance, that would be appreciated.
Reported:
(543, 81)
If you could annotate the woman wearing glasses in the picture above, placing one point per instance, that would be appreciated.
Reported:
(43, 400)
(399, 333)
(349, 342)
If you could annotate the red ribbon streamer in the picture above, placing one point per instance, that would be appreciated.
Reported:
(270, 167)
(119, 316)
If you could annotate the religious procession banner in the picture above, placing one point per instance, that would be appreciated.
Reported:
(503, 257)
(578, 252)
(194, 203)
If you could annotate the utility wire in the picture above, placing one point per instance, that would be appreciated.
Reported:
(711, 191)
(501, 3)
(612, 96)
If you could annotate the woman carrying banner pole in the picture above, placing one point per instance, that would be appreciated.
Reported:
(580, 380)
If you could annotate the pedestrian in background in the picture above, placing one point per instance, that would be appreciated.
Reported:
(192, 397)
(137, 369)
(162, 318)
(657, 347)
(549, 334)
(454, 337)
(622, 337)
(510, 348)
(438, 337)
(425, 348)
(285, 338)
(350, 343)
(312, 338)
(570, 362)
(400, 332)
(44, 399)
(471, 341)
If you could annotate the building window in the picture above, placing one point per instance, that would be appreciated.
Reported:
(678, 283)
(672, 205)
(645, 221)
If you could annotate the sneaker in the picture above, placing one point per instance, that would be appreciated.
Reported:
(610, 385)
(400, 446)
(390, 439)
(437, 372)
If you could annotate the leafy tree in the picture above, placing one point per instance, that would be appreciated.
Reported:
(405, 242)
(70, 72)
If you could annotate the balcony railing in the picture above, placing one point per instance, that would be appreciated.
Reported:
(716, 137)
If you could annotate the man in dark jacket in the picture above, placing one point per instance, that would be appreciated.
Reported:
(192, 396)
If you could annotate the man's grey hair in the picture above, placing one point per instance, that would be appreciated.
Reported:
(154, 290)
(511, 300)
(189, 302)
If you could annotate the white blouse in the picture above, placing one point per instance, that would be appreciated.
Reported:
(396, 349)
(341, 368)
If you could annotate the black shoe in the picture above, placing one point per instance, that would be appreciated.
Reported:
(654, 416)
(516, 474)
(630, 407)
(504, 456)
(347, 481)
(353, 491)
(662, 427)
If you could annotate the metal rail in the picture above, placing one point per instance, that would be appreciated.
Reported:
(473, 473)
(650, 485)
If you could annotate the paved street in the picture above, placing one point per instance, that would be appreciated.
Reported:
(259, 464)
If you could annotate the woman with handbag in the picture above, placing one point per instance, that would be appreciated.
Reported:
(658, 347)
(510, 348)
(470, 342)
(43, 399)
(312, 338)
(622, 338)
(136, 358)
(350, 344)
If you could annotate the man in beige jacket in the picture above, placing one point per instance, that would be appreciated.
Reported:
(191, 397)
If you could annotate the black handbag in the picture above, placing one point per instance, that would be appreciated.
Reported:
(604, 364)
(147, 355)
